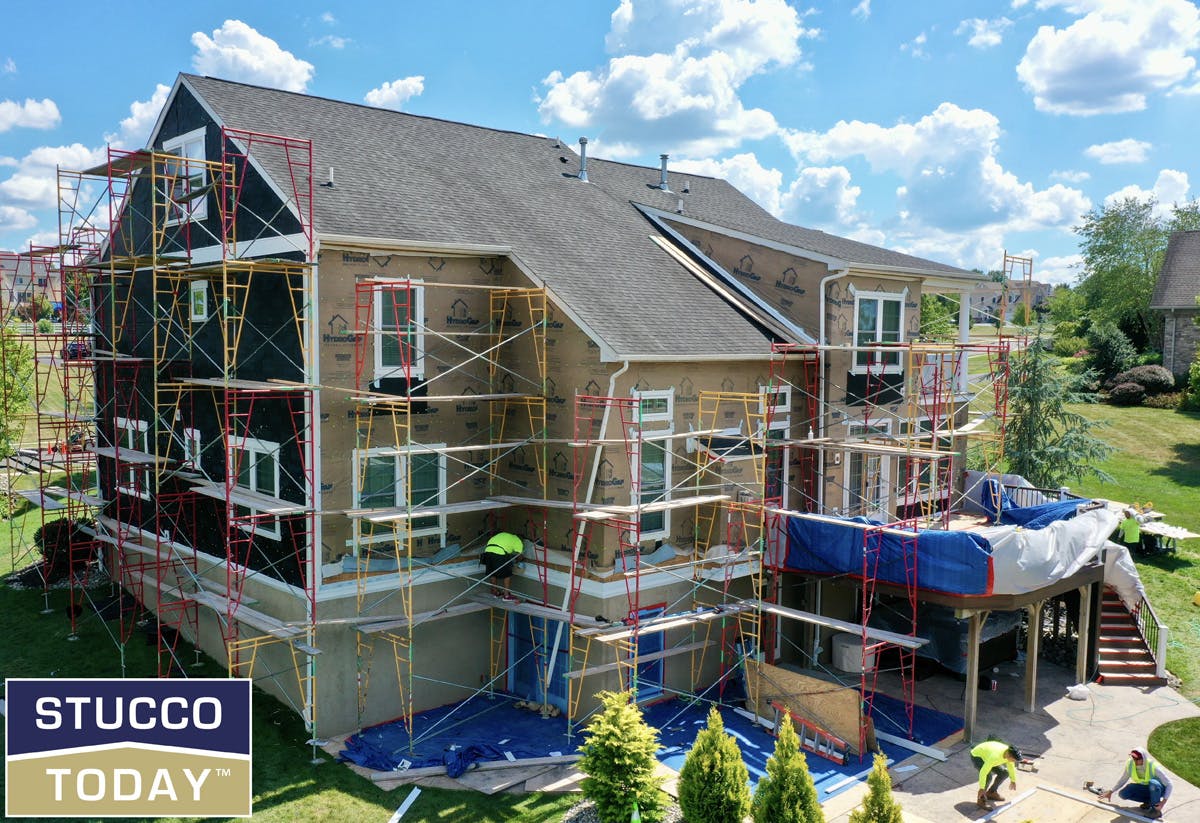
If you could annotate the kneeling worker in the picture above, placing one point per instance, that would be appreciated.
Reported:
(498, 558)
(994, 759)
(1149, 784)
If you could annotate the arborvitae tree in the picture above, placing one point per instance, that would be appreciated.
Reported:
(787, 794)
(16, 381)
(713, 783)
(878, 806)
(1046, 442)
(618, 759)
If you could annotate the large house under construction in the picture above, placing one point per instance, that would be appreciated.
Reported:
(335, 348)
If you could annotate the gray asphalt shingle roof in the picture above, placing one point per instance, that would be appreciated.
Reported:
(424, 180)
(1179, 281)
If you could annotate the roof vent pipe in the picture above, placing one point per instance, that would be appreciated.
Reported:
(583, 159)
(662, 175)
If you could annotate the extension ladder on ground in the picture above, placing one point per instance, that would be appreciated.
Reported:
(813, 738)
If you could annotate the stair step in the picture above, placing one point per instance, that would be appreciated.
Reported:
(1118, 628)
(1132, 680)
(1128, 650)
(1130, 666)
(1122, 639)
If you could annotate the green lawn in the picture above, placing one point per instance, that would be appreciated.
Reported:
(1157, 459)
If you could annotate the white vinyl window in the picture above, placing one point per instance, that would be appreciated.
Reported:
(387, 480)
(921, 471)
(868, 474)
(257, 465)
(185, 179)
(198, 300)
(399, 340)
(191, 447)
(776, 404)
(656, 416)
(878, 318)
(133, 435)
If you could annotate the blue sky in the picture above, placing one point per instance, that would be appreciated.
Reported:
(951, 129)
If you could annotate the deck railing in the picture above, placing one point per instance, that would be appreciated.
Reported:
(1154, 632)
(1030, 496)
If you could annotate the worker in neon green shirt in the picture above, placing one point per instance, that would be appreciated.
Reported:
(994, 758)
(498, 558)
(1131, 531)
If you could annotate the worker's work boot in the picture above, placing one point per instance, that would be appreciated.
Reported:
(982, 802)
(995, 795)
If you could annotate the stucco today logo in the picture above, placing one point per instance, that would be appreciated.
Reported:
(127, 748)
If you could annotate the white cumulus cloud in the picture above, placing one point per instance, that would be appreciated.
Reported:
(394, 94)
(1119, 151)
(1170, 187)
(674, 82)
(1064, 269)
(35, 183)
(238, 52)
(863, 10)
(1070, 176)
(13, 218)
(822, 196)
(916, 46)
(135, 129)
(954, 200)
(31, 114)
(10, 66)
(744, 171)
(984, 34)
(1112, 57)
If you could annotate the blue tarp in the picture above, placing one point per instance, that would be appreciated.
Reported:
(952, 562)
(458, 735)
(1029, 517)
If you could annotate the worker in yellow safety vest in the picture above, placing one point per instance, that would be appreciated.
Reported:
(994, 759)
(498, 558)
(1131, 531)
(1148, 782)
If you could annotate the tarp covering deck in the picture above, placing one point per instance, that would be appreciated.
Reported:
(992, 560)
(951, 562)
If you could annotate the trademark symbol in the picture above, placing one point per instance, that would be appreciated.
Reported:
(224, 773)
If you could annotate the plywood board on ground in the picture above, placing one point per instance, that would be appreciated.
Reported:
(556, 780)
(490, 782)
(835, 708)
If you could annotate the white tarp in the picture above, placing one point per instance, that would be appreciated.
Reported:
(1027, 559)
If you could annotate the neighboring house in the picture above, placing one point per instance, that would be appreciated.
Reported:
(1175, 296)
(24, 278)
(312, 424)
(988, 295)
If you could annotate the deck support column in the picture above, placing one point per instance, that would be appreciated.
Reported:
(1085, 633)
(1033, 644)
(975, 622)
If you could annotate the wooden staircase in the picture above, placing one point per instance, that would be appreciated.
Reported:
(1124, 657)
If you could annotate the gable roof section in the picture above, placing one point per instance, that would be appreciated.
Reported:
(1179, 279)
(427, 181)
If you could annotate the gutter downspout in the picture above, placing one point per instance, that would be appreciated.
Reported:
(591, 487)
(822, 392)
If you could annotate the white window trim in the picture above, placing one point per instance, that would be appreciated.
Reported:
(198, 287)
(885, 466)
(859, 296)
(129, 425)
(196, 209)
(904, 481)
(418, 365)
(401, 467)
(253, 444)
(660, 423)
(193, 447)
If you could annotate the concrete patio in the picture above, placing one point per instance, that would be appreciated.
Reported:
(1077, 740)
